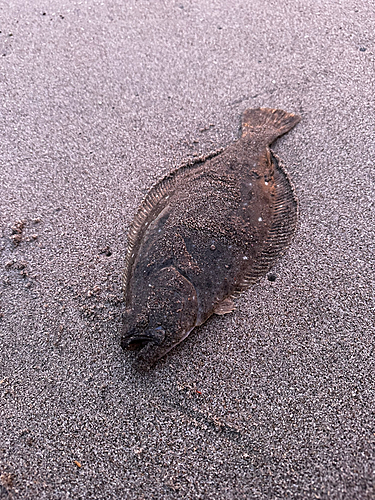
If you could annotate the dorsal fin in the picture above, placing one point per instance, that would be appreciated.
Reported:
(282, 227)
(153, 203)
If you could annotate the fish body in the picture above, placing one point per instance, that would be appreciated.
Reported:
(205, 233)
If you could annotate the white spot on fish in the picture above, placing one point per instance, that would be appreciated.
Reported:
(260, 219)
(245, 258)
(266, 183)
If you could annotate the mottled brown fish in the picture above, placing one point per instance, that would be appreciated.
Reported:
(205, 233)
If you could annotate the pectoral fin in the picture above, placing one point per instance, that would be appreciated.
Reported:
(225, 307)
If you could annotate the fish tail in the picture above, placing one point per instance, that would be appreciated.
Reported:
(268, 123)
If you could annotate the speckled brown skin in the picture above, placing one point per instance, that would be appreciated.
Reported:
(205, 233)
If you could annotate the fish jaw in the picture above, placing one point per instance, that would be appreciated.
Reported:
(152, 352)
(161, 317)
(155, 344)
(155, 335)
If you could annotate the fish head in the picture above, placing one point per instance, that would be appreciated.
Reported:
(153, 336)
(139, 330)
(167, 318)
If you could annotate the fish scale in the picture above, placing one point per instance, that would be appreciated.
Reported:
(205, 233)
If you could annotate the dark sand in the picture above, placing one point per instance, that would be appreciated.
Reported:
(98, 101)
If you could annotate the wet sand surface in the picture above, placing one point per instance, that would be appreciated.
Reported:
(99, 101)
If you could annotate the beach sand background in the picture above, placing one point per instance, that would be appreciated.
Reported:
(99, 100)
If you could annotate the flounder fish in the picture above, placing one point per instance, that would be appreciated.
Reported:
(205, 233)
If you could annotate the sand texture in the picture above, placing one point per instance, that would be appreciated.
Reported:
(100, 100)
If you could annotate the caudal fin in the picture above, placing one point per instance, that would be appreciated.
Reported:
(269, 123)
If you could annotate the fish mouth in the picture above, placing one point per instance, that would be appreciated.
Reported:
(149, 345)
(137, 341)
